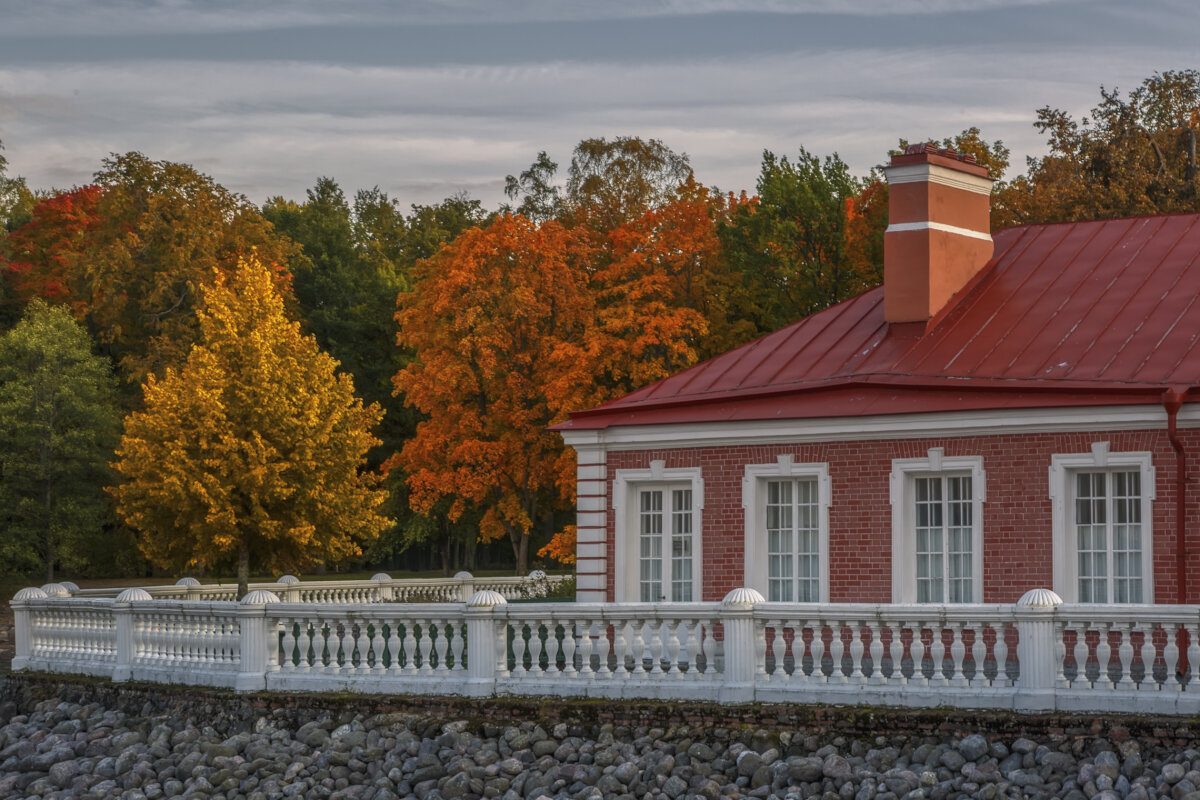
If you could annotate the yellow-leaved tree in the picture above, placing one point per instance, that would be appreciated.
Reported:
(254, 450)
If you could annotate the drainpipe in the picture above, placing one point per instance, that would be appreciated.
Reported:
(1172, 401)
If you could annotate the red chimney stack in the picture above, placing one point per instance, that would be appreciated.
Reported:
(939, 230)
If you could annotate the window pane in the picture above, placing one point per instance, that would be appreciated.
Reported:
(791, 528)
(681, 545)
(1108, 536)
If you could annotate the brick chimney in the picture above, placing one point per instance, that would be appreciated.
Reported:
(939, 230)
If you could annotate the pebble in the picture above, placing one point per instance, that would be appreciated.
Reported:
(64, 750)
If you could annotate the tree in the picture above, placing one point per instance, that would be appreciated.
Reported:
(489, 320)
(790, 243)
(16, 201)
(58, 425)
(156, 233)
(612, 182)
(1133, 155)
(253, 451)
(541, 200)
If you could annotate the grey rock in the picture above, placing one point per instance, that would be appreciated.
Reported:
(748, 763)
(1173, 773)
(835, 767)
(805, 770)
(1109, 765)
(952, 760)
(973, 747)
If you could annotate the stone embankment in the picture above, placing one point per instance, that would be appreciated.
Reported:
(81, 741)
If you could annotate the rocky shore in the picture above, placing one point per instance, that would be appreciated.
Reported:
(51, 747)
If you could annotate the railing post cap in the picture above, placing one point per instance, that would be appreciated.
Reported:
(55, 590)
(30, 593)
(1039, 598)
(743, 597)
(188, 581)
(133, 595)
(259, 597)
(538, 575)
(486, 598)
(287, 579)
(380, 577)
(70, 586)
(463, 576)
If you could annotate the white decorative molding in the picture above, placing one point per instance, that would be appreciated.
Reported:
(1149, 416)
(904, 564)
(927, 225)
(1099, 457)
(754, 502)
(937, 174)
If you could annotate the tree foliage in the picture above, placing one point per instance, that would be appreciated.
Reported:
(58, 425)
(132, 253)
(252, 451)
(1133, 155)
(487, 319)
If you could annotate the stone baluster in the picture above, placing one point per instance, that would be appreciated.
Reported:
(916, 649)
(655, 647)
(518, 645)
(876, 650)
(674, 646)
(1174, 681)
(779, 652)
(979, 655)
(1193, 656)
(620, 649)
(457, 645)
(551, 646)
(1060, 654)
(603, 646)
(425, 645)
(837, 649)
(1125, 654)
(709, 647)
(1103, 657)
(290, 659)
(638, 647)
(896, 651)
(568, 646)
(1081, 652)
(817, 646)
(958, 652)
(937, 655)
(760, 652)
(584, 644)
(1148, 654)
(1000, 654)
(856, 652)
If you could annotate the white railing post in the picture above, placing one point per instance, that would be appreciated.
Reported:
(737, 618)
(386, 592)
(191, 586)
(22, 628)
(466, 586)
(258, 643)
(123, 618)
(291, 589)
(1036, 650)
(483, 645)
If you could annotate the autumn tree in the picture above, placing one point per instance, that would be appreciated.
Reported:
(253, 451)
(487, 319)
(59, 424)
(1133, 155)
(133, 254)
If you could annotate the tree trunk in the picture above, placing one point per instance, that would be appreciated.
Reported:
(523, 554)
(444, 551)
(48, 503)
(243, 573)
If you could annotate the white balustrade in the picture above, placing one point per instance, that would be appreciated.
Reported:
(1038, 654)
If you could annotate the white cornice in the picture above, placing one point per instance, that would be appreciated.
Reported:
(936, 173)
(894, 426)
(901, 227)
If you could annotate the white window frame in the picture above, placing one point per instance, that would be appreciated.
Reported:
(626, 528)
(904, 544)
(754, 504)
(1063, 467)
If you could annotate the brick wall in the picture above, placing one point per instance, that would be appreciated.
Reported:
(1017, 541)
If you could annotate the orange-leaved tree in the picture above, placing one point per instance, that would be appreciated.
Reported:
(133, 252)
(254, 450)
(492, 318)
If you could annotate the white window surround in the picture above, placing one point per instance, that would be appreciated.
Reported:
(754, 504)
(625, 524)
(1062, 466)
(904, 546)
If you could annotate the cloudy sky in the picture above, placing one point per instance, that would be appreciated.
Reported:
(425, 99)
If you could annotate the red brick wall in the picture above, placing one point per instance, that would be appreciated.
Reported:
(1017, 547)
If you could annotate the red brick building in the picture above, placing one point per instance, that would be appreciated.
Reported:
(1002, 414)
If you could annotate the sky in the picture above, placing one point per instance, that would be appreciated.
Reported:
(428, 99)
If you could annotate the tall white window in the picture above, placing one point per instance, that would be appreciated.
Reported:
(787, 530)
(665, 550)
(657, 527)
(1102, 536)
(937, 531)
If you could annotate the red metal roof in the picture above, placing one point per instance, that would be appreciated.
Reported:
(1082, 313)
